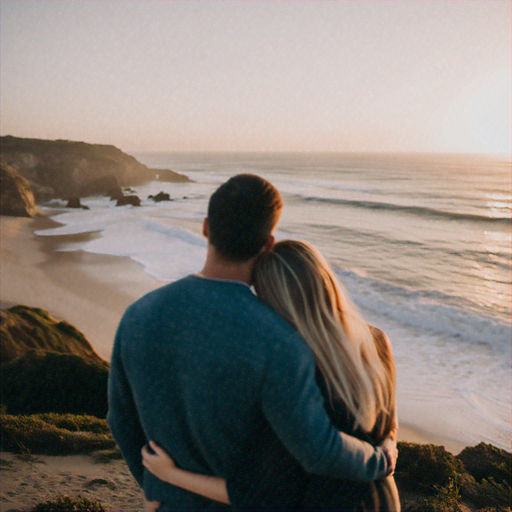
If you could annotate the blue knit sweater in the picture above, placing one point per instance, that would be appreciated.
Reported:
(206, 370)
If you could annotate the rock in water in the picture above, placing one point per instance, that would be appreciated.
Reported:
(161, 196)
(17, 197)
(115, 193)
(74, 202)
(133, 200)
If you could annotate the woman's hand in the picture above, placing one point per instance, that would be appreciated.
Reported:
(151, 506)
(391, 452)
(159, 462)
(164, 467)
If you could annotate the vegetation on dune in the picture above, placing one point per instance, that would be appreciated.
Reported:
(46, 434)
(25, 328)
(49, 366)
(441, 482)
(75, 422)
(39, 382)
(68, 504)
(427, 465)
(54, 372)
(484, 461)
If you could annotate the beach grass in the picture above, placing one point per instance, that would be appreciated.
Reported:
(54, 434)
(38, 382)
(429, 478)
(69, 504)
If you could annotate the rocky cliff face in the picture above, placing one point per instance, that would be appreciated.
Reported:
(49, 366)
(16, 197)
(63, 169)
(24, 329)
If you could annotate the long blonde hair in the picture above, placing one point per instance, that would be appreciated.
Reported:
(295, 280)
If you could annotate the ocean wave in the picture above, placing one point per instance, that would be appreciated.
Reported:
(422, 211)
(427, 311)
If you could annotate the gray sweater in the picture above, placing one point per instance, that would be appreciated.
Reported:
(207, 370)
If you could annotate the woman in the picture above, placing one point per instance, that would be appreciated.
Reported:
(355, 372)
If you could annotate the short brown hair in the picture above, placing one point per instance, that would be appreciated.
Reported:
(242, 214)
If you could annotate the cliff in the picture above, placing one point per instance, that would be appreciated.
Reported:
(24, 329)
(64, 169)
(17, 197)
(49, 366)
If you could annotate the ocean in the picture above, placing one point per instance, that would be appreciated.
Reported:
(422, 243)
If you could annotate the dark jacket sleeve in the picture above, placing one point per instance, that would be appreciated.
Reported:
(293, 405)
(122, 417)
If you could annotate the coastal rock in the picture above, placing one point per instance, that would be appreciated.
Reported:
(23, 328)
(74, 202)
(161, 196)
(42, 193)
(115, 193)
(169, 176)
(68, 167)
(133, 200)
(17, 198)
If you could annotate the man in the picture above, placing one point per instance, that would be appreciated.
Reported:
(205, 369)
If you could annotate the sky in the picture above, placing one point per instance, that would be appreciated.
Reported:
(262, 75)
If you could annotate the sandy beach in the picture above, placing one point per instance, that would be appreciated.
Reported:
(30, 480)
(90, 291)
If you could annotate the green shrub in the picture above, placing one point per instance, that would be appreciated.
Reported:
(492, 493)
(34, 435)
(39, 382)
(68, 504)
(485, 460)
(427, 466)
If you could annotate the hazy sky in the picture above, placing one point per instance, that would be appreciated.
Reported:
(270, 75)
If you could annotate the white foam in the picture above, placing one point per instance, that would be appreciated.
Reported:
(428, 312)
(147, 235)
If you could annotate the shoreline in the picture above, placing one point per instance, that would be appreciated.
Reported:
(92, 291)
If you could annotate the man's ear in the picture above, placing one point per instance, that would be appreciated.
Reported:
(269, 244)
(205, 227)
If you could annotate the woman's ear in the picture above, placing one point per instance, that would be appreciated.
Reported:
(205, 227)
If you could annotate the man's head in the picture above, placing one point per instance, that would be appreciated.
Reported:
(242, 215)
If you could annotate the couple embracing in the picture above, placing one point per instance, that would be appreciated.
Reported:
(283, 399)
